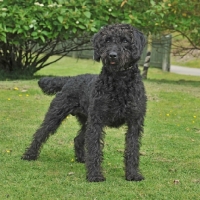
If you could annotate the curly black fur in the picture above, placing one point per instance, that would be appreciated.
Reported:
(114, 97)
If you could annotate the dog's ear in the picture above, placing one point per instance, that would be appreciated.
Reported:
(142, 40)
(95, 42)
(96, 56)
(139, 43)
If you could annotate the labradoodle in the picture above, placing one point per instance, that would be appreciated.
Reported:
(113, 98)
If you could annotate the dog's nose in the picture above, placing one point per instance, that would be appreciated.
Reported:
(113, 54)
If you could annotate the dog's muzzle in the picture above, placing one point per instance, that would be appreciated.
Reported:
(113, 58)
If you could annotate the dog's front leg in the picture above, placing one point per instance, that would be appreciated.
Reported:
(94, 155)
(131, 157)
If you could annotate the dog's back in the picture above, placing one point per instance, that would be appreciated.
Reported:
(52, 85)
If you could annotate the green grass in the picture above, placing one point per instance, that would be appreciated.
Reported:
(170, 144)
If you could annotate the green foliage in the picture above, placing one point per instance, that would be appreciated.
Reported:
(32, 31)
(176, 16)
(24, 19)
(170, 143)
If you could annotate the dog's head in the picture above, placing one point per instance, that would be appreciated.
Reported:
(118, 46)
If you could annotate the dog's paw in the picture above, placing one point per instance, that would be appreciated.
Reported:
(135, 177)
(29, 157)
(98, 178)
(80, 160)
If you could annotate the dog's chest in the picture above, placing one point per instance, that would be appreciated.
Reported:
(116, 111)
(114, 106)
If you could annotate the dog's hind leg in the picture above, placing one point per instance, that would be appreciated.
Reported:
(132, 146)
(60, 107)
(79, 141)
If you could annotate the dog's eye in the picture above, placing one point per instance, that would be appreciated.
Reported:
(124, 40)
(108, 40)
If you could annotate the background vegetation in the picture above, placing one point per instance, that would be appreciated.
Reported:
(169, 153)
(32, 31)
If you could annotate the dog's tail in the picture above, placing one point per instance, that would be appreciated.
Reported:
(52, 85)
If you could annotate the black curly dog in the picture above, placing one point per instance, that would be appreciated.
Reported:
(113, 98)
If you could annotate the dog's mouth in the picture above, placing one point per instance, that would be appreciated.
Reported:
(113, 62)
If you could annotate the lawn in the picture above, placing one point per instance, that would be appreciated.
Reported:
(170, 151)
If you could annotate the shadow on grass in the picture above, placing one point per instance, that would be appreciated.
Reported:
(22, 77)
(174, 82)
(153, 80)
